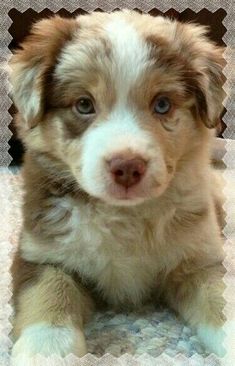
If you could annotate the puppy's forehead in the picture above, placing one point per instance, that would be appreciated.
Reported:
(112, 46)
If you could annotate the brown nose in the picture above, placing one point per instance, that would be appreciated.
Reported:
(127, 172)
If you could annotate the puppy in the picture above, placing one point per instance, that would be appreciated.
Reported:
(117, 113)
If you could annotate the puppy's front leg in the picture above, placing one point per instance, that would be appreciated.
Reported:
(50, 312)
(197, 295)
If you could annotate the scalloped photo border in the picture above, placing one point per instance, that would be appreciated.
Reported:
(229, 160)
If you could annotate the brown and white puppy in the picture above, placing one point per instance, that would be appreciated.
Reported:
(117, 112)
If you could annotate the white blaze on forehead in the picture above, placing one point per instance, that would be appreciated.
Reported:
(130, 54)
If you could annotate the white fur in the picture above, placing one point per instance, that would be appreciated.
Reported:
(218, 340)
(130, 52)
(212, 338)
(47, 340)
(119, 134)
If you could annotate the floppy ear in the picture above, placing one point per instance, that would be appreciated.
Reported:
(32, 65)
(209, 91)
(206, 62)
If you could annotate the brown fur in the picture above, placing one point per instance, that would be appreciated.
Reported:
(23, 274)
(43, 46)
(194, 278)
(68, 303)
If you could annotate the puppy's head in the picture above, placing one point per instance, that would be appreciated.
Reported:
(120, 98)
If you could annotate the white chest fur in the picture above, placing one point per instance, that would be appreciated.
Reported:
(115, 255)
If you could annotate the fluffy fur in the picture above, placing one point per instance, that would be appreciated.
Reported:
(87, 240)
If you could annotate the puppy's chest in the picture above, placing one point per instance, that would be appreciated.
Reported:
(116, 251)
(119, 256)
(120, 253)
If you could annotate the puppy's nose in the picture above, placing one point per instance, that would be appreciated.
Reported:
(127, 172)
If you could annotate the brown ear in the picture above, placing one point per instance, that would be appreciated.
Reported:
(32, 64)
(206, 70)
(210, 94)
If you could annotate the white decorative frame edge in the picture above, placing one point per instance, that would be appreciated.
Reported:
(5, 159)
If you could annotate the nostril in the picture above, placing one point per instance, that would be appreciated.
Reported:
(119, 172)
(136, 174)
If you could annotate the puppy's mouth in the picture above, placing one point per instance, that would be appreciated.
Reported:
(125, 193)
(121, 195)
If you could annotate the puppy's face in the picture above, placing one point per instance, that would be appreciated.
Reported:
(120, 98)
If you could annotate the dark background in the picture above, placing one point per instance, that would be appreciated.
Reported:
(22, 23)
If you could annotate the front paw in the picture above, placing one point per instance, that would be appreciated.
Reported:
(212, 338)
(47, 340)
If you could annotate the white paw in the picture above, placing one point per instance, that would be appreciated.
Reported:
(47, 340)
(212, 338)
(217, 340)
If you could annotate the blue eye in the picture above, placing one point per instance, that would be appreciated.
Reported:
(85, 106)
(162, 105)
